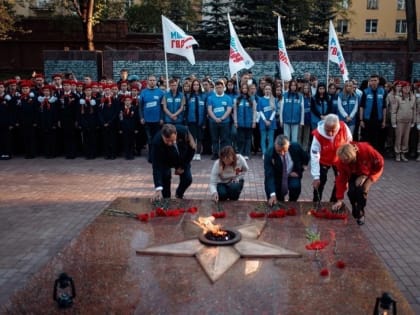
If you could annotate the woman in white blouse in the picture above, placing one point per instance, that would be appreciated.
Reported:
(227, 175)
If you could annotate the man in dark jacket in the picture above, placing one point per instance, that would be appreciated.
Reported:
(284, 164)
(172, 147)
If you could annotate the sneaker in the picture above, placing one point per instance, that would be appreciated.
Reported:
(398, 157)
(360, 221)
(403, 157)
(195, 157)
(418, 158)
(198, 157)
(246, 158)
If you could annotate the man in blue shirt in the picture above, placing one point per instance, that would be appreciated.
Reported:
(150, 110)
(219, 107)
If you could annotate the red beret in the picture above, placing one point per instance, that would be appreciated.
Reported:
(404, 83)
(39, 75)
(11, 81)
(69, 82)
(87, 86)
(57, 75)
(127, 97)
(25, 83)
(47, 87)
(79, 83)
(417, 84)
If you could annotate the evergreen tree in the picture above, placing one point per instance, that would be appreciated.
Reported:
(214, 26)
(316, 37)
(255, 23)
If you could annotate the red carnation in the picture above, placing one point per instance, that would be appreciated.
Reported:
(341, 264)
(192, 210)
(160, 212)
(219, 215)
(291, 211)
(324, 272)
(255, 214)
(144, 217)
(316, 245)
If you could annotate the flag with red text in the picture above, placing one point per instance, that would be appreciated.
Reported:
(238, 57)
(335, 54)
(286, 68)
(175, 41)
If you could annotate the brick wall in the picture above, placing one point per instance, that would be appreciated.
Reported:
(391, 65)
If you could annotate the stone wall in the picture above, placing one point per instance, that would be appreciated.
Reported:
(79, 63)
(390, 65)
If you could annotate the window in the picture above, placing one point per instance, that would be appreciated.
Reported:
(400, 4)
(371, 26)
(372, 4)
(342, 26)
(42, 3)
(401, 26)
(345, 4)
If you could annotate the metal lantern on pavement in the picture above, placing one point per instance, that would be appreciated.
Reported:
(385, 305)
(64, 291)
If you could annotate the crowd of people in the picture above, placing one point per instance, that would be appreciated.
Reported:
(293, 124)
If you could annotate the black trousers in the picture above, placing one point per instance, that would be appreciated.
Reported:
(358, 196)
(323, 179)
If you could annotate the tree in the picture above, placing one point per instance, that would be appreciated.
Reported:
(8, 21)
(262, 31)
(214, 26)
(84, 9)
(144, 18)
(411, 17)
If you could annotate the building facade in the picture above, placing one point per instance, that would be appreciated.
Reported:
(374, 19)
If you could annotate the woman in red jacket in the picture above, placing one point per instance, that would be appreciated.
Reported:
(358, 167)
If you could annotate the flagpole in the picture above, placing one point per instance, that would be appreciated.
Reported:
(166, 70)
(328, 56)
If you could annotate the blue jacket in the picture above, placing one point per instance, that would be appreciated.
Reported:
(367, 102)
(264, 107)
(150, 105)
(292, 108)
(319, 107)
(191, 111)
(244, 112)
(348, 103)
(173, 103)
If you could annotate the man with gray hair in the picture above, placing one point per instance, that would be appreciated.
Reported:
(330, 134)
(284, 164)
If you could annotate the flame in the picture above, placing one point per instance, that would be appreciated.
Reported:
(206, 223)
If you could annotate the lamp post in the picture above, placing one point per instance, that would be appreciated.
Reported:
(64, 291)
(385, 305)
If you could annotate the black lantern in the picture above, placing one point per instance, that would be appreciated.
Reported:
(385, 305)
(64, 291)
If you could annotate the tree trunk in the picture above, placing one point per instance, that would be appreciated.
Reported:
(89, 26)
(411, 17)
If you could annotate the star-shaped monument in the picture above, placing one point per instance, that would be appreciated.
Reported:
(216, 260)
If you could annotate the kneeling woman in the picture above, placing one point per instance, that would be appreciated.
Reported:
(227, 175)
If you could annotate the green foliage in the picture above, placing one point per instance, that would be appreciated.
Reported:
(147, 16)
(8, 20)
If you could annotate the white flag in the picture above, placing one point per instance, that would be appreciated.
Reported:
(335, 54)
(286, 68)
(175, 41)
(238, 58)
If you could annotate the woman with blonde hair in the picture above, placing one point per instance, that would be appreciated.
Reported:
(358, 167)
(267, 108)
(227, 175)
